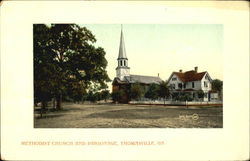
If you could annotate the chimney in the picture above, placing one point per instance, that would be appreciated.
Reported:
(180, 70)
(196, 69)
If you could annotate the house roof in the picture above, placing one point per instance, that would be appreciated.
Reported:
(189, 76)
(138, 79)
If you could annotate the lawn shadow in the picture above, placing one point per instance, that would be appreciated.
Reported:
(69, 109)
(152, 113)
(45, 116)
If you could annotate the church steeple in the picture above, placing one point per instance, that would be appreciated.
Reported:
(122, 68)
(122, 51)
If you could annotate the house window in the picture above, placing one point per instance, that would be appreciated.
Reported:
(180, 85)
(173, 85)
(184, 85)
(174, 79)
(192, 84)
(206, 77)
(205, 84)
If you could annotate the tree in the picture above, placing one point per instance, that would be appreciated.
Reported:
(175, 96)
(105, 95)
(217, 85)
(136, 91)
(117, 95)
(75, 90)
(93, 97)
(200, 94)
(44, 68)
(72, 61)
(164, 90)
(185, 97)
(152, 92)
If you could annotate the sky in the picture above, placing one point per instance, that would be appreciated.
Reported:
(163, 48)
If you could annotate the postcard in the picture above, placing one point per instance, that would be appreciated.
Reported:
(106, 80)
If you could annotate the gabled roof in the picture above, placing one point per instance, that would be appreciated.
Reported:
(138, 79)
(118, 81)
(189, 76)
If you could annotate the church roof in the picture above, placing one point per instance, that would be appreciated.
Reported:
(138, 79)
(142, 79)
(122, 51)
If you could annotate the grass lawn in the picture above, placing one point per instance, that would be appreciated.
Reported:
(130, 116)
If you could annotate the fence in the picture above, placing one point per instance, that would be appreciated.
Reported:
(180, 103)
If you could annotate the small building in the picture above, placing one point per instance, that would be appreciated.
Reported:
(214, 95)
(124, 79)
(191, 82)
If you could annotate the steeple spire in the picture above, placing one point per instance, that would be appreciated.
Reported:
(122, 51)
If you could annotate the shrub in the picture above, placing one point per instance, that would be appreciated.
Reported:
(117, 95)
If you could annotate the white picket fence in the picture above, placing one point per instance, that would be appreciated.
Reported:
(160, 102)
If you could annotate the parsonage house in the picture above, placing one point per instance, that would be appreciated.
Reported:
(124, 79)
(192, 82)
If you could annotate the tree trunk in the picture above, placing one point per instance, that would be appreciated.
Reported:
(44, 104)
(42, 110)
(59, 102)
(54, 103)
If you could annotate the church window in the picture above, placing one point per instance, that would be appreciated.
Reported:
(121, 62)
(124, 62)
